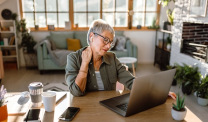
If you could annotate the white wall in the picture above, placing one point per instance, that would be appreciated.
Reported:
(145, 40)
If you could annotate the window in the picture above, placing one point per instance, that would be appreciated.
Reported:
(85, 11)
(115, 12)
(145, 11)
(45, 12)
(118, 13)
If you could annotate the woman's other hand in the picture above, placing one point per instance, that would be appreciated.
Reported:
(172, 94)
(87, 55)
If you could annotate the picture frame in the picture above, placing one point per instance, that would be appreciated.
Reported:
(198, 8)
(51, 27)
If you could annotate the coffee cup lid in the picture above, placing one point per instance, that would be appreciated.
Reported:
(35, 85)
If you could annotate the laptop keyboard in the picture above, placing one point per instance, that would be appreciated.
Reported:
(123, 106)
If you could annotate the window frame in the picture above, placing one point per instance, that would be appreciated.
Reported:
(71, 17)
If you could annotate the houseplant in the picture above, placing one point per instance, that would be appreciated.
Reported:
(154, 25)
(188, 77)
(202, 91)
(3, 106)
(169, 12)
(27, 40)
(27, 43)
(178, 110)
(168, 45)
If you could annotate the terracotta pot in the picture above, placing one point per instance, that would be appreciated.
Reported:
(4, 113)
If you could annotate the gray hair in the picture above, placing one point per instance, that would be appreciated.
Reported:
(99, 26)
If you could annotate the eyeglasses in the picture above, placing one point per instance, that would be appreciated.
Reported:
(105, 40)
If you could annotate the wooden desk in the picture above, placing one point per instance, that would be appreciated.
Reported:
(92, 111)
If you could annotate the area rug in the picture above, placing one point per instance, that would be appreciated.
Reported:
(55, 87)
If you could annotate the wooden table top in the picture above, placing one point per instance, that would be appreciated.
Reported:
(92, 111)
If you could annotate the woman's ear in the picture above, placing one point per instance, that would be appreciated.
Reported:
(91, 39)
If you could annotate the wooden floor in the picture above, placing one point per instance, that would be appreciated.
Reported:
(18, 81)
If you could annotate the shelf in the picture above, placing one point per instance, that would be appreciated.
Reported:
(10, 56)
(162, 55)
(7, 31)
(163, 49)
(165, 31)
(10, 52)
(6, 20)
(7, 46)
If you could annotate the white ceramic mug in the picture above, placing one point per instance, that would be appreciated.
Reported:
(49, 101)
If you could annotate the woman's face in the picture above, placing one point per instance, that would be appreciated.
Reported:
(98, 43)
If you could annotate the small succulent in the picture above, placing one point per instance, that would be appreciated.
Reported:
(180, 105)
(3, 91)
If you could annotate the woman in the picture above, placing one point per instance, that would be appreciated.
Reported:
(93, 68)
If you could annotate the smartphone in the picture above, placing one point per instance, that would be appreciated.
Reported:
(69, 113)
(32, 115)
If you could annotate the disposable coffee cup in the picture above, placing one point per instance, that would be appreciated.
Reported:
(49, 101)
(36, 89)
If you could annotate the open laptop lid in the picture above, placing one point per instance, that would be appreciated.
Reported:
(152, 89)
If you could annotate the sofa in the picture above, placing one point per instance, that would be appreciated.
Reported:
(45, 62)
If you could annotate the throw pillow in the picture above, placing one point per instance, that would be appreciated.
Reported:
(120, 43)
(73, 44)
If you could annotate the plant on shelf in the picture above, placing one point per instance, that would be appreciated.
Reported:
(170, 12)
(154, 25)
(169, 40)
(27, 40)
(202, 91)
(188, 77)
(178, 110)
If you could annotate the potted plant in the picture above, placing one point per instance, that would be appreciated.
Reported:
(202, 91)
(27, 43)
(170, 13)
(178, 110)
(3, 106)
(188, 77)
(154, 25)
(27, 40)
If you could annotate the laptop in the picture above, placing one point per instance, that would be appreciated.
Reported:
(147, 92)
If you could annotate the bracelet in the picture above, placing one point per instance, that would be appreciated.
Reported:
(82, 71)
